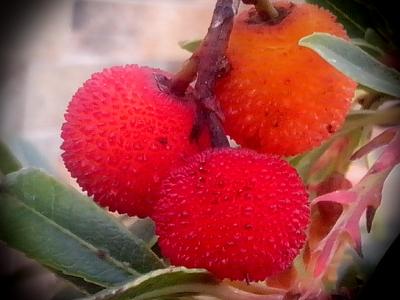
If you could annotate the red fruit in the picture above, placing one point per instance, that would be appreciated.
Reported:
(239, 214)
(122, 135)
(280, 97)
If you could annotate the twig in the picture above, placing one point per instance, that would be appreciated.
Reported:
(208, 63)
(185, 76)
(212, 62)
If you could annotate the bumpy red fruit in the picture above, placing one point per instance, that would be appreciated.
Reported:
(122, 135)
(280, 97)
(239, 214)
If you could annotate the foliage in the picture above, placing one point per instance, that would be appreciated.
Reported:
(354, 63)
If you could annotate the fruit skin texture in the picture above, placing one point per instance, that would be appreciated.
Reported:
(240, 214)
(122, 135)
(280, 97)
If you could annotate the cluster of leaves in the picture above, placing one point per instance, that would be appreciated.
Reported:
(70, 235)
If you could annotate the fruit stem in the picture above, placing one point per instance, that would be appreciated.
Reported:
(264, 8)
(186, 75)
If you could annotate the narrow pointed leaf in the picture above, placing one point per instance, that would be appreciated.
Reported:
(158, 284)
(354, 17)
(354, 62)
(382, 139)
(40, 238)
(58, 213)
(190, 46)
(178, 282)
(364, 197)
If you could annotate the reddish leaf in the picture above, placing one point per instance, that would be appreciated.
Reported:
(337, 181)
(370, 217)
(364, 196)
(284, 280)
(334, 162)
(380, 140)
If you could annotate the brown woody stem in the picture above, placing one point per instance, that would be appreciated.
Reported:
(211, 63)
(185, 76)
(208, 62)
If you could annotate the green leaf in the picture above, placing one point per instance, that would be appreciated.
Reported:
(367, 47)
(145, 230)
(354, 62)
(373, 38)
(360, 118)
(158, 284)
(50, 244)
(66, 231)
(8, 162)
(355, 121)
(338, 159)
(304, 162)
(354, 16)
(190, 46)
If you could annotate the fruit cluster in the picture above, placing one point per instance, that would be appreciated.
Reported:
(240, 213)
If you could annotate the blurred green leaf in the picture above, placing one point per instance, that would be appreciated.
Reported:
(367, 47)
(8, 162)
(304, 162)
(358, 124)
(190, 46)
(66, 231)
(373, 38)
(50, 244)
(145, 230)
(337, 158)
(160, 284)
(354, 16)
(360, 118)
(354, 62)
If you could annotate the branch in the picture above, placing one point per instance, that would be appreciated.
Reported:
(211, 63)
(208, 63)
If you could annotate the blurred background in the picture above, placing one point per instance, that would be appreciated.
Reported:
(54, 51)
(57, 50)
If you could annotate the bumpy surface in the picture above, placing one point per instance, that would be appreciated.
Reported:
(279, 97)
(239, 214)
(122, 135)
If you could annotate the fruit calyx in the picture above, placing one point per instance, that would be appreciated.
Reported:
(257, 17)
(265, 12)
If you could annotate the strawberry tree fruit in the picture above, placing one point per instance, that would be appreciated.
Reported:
(122, 134)
(240, 214)
(280, 97)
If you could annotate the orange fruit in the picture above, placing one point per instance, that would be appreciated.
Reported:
(280, 97)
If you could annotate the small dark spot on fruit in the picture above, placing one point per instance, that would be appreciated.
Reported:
(330, 128)
(248, 226)
(163, 140)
